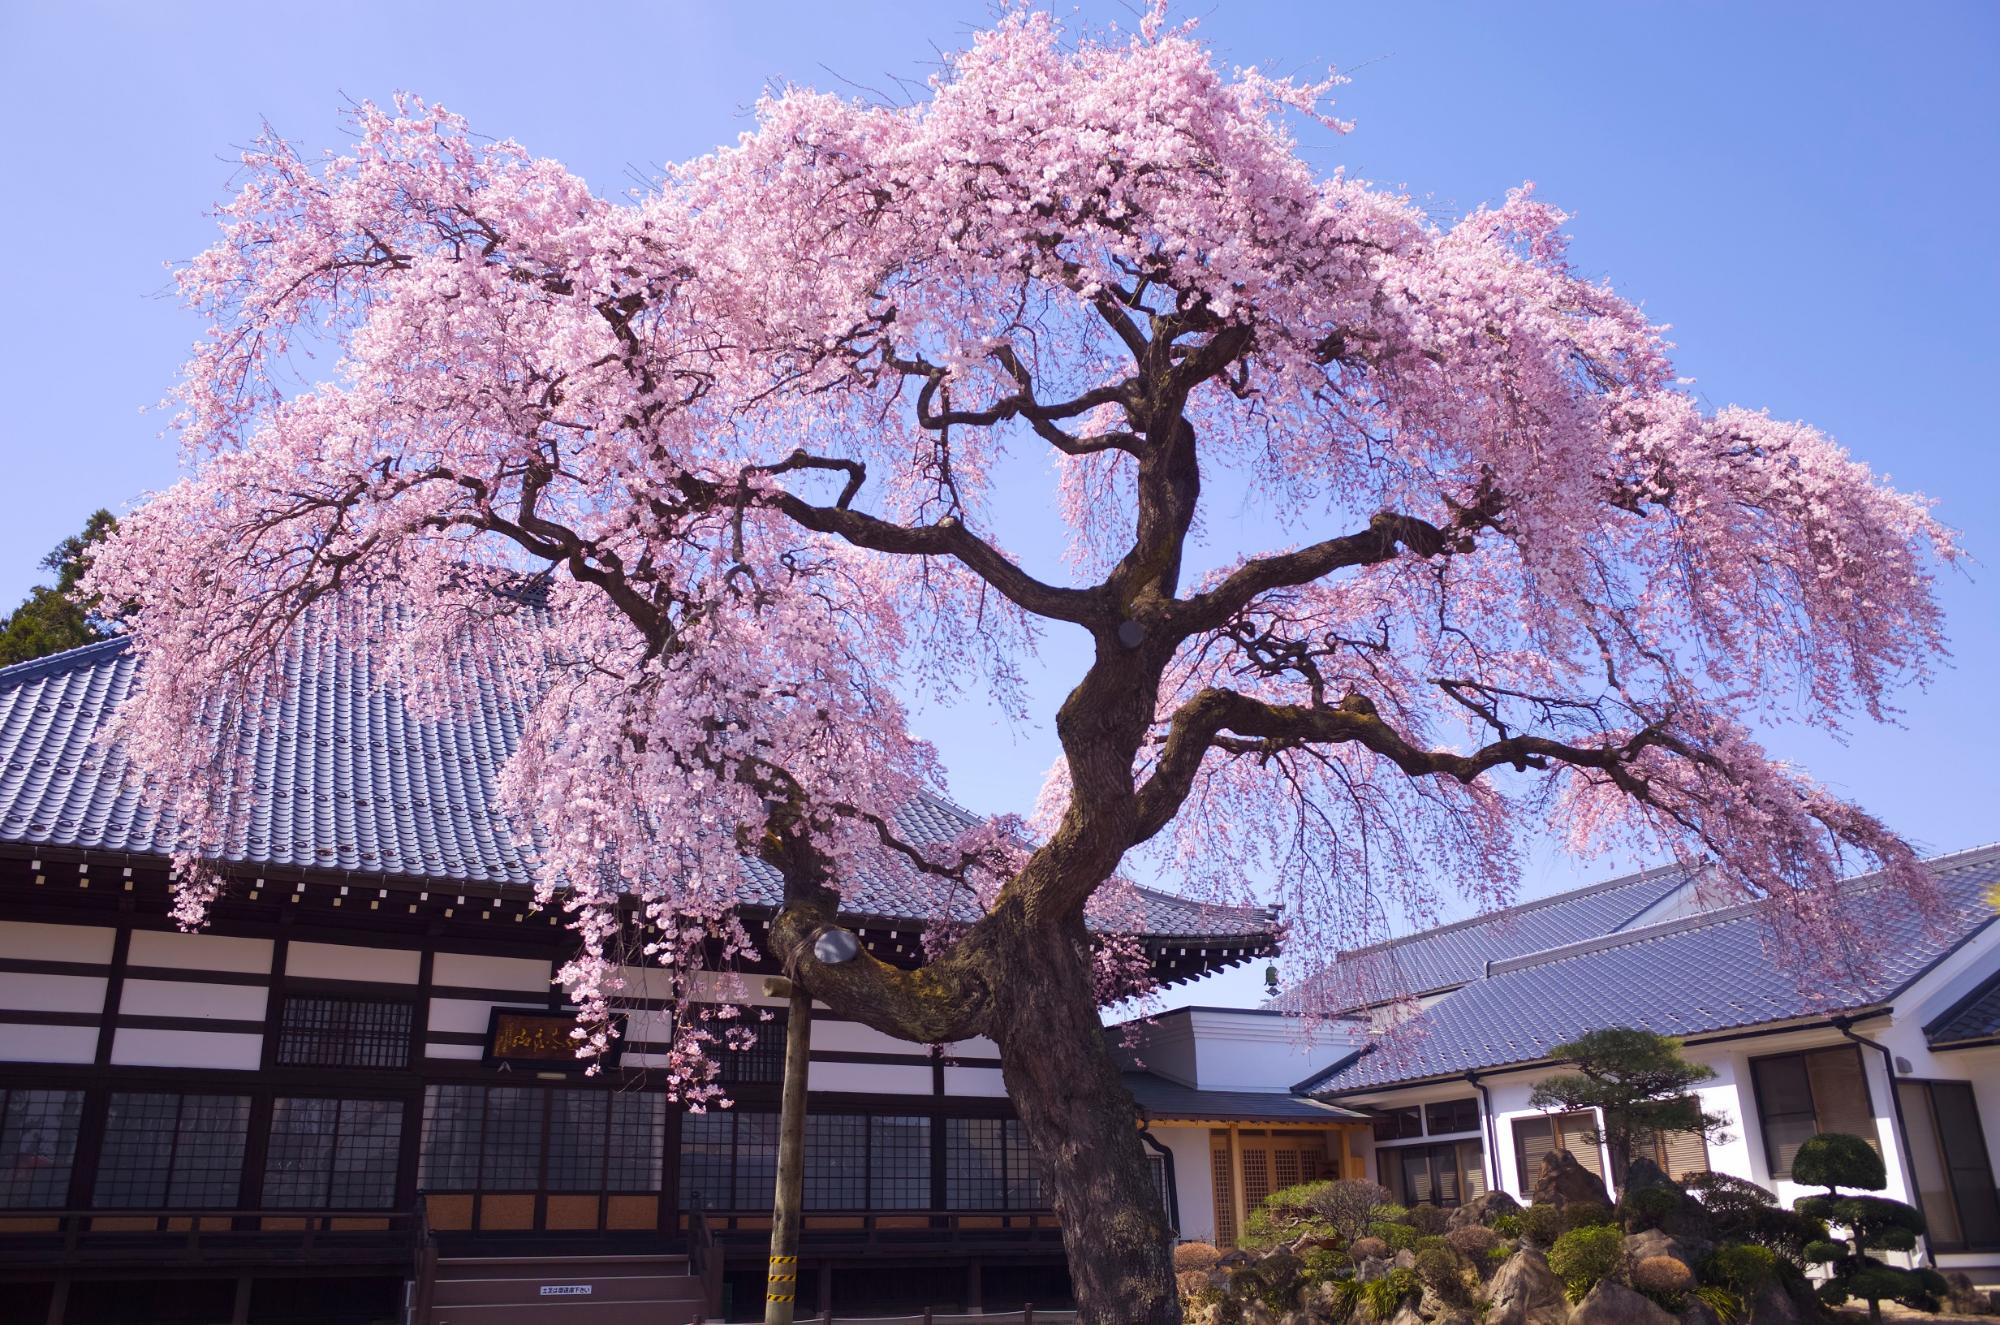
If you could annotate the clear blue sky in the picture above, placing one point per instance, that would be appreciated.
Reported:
(1807, 192)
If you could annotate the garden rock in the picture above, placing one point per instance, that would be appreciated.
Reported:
(1562, 1181)
(1612, 1303)
(1525, 1291)
(1484, 1209)
(1698, 1312)
(1371, 1267)
(1774, 1306)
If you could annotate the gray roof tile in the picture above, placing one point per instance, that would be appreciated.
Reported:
(349, 779)
(1169, 1101)
(1450, 955)
(1705, 973)
(1974, 1018)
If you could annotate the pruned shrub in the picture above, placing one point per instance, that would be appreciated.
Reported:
(1475, 1241)
(1662, 1277)
(1429, 1219)
(1648, 1207)
(1321, 1264)
(1196, 1256)
(1347, 1205)
(1508, 1225)
(1742, 1267)
(1587, 1214)
(1191, 1282)
(1836, 1159)
(1541, 1225)
(1364, 1248)
(1398, 1237)
(1388, 1212)
(1584, 1257)
(1440, 1269)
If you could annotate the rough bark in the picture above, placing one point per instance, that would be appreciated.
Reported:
(1081, 1120)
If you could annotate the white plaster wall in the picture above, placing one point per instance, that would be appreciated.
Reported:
(135, 1047)
(199, 952)
(182, 998)
(985, 1082)
(1192, 1185)
(340, 961)
(56, 943)
(468, 971)
(48, 1044)
(870, 1078)
(51, 993)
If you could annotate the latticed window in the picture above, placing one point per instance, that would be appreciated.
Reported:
(759, 1064)
(319, 1031)
(990, 1166)
(523, 1138)
(899, 1163)
(836, 1176)
(333, 1154)
(172, 1150)
(852, 1161)
(37, 1147)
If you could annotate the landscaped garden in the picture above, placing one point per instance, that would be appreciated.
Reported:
(1715, 1250)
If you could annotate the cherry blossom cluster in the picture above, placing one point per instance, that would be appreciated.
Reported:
(711, 473)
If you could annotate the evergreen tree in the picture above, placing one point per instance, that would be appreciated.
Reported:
(1638, 1080)
(51, 619)
(1872, 1223)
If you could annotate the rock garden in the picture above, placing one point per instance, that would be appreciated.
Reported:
(1715, 1251)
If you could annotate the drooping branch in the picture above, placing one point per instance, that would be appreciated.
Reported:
(1228, 720)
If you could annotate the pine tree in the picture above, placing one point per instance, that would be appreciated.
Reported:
(51, 619)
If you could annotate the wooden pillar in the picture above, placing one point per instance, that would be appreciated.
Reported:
(781, 1289)
(239, 1314)
(975, 1294)
(1236, 1179)
(59, 1300)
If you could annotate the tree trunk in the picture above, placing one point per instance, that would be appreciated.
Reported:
(1080, 1118)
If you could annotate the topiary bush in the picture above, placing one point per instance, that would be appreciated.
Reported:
(1648, 1207)
(1872, 1223)
(1664, 1279)
(1196, 1256)
(1741, 1211)
(1541, 1225)
(1584, 1257)
(1587, 1214)
(1507, 1225)
(1475, 1242)
(1742, 1267)
(1429, 1219)
(1365, 1248)
(1191, 1282)
(1441, 1270)
(1322, 1264)
(1347, 1205)
(1836, 1159)
(1399, 1237)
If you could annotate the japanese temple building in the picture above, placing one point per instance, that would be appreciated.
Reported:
(354, 1083)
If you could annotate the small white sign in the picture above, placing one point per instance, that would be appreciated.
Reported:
(565, 1290)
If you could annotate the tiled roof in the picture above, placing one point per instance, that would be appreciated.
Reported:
(1451, 955)
(1705, 973)
(1973, 1019)
(349, 779)
(1169, 1101)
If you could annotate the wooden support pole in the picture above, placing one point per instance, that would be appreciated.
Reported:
(781, 1290)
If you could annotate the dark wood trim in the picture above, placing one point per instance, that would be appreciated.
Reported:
(36, 1017)
(29, 966)
(114, 989)
(219, 1025)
